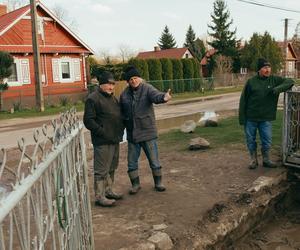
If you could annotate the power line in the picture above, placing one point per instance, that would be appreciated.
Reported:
(269, 6)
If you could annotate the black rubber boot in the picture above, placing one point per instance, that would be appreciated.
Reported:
(110, 194)
(267, 163)
(101, 200)
(135, 182)
(157, 180)
(253, 162)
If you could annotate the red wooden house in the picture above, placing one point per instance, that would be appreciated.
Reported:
(63, 56)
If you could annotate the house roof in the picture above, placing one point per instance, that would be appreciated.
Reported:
(43, 49)
(207, 55)
(176, 53)
(10, 19)
(290, 46)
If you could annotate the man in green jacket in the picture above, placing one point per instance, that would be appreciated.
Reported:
(258, 106)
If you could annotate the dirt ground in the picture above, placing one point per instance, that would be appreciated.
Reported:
(195, 181)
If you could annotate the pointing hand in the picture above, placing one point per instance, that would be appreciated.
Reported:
(167, 95)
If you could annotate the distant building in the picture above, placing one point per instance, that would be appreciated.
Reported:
(157, 53)
(290, 60)
(63, 54)
(205, 61)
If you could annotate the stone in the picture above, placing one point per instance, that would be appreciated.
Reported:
(209, 119)
(159, 227)
(261, 182)
(140, 246)
(198, 144)
(162, 241)
(188, 126)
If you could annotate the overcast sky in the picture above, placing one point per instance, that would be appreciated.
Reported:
(107, 24)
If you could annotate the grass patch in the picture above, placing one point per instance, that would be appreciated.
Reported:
(228, 134)
(34, 113)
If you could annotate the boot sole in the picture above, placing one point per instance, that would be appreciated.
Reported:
(133, 192)
(268, 166)
(98, 204)
(114, 197)
(160, 189)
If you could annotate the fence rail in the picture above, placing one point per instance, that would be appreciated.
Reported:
(291, 129)
(45, 195)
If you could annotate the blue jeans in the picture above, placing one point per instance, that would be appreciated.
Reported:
(151, 151)
(265, 133)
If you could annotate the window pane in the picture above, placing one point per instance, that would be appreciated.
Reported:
(65, 70)
(13, 77)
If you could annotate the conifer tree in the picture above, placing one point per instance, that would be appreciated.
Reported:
(224, 40)
(166, 41)
(190, 37)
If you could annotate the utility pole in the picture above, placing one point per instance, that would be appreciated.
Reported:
(39, 97)
(286, 21)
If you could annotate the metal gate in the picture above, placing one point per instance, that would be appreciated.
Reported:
(46, 204)
(291, 129)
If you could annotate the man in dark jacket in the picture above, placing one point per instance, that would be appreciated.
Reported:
(138, 114)
(102, 116)
(258, 106)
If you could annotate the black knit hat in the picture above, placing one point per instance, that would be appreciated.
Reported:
(106, 77)
(131, 71)
(261, 62)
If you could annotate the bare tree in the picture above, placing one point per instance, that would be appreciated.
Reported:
(105, 56)
(15, 4)
(125, 52)
(223, 70)
(63, 15)
(223, 64)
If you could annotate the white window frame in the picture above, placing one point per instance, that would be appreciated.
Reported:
(19, 76)
(70, 61)
(75, 70)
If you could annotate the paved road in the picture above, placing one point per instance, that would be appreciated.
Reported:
(13, 129)
(213, 103)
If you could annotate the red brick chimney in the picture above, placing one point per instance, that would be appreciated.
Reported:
(3, 9)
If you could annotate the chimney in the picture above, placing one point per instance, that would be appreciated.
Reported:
(3, 9)
(156, 48)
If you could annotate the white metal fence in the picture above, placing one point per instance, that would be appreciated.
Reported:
(291, 129)
(45, 200)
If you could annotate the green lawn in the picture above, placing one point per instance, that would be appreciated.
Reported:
(33, 113)
(228, 133)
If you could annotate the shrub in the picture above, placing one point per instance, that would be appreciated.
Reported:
(177, 74)
(155, 73)
(197, 75)
(167, 73)
(64, 101)
(188, 73)
(17, 106)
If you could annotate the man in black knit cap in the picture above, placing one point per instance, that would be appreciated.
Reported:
(258, 106)
(139, 119)
(102, 116)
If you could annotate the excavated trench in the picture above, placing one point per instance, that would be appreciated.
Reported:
(266, 217)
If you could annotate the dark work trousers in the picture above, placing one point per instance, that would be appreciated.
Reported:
(106, 160)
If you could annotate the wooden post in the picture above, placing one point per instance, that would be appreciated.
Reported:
(39, 97)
